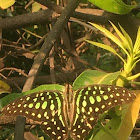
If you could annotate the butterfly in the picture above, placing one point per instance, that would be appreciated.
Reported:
(69, 114)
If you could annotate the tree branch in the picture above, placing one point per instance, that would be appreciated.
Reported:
(26, 19)
(49, 42)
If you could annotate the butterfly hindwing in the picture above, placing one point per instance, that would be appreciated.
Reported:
(94, 100)
(45, 107)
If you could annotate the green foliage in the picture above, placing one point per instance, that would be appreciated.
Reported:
(106, 63)
(4, 87)
(124, 42)
(113, 6)
(35, 7)
(90, 77)
(7, 133)
(130, 57)
(111, 127)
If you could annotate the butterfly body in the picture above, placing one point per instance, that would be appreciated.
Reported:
(69, 114)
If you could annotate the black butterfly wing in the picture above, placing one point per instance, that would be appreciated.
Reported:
(45, 107)
(92, 101)
(48, 108)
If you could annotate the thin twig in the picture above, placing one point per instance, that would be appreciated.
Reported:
(51, 61)
(15, 69)
(10, 82)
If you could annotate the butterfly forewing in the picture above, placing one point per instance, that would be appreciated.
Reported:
(94, 100)
(45, 107)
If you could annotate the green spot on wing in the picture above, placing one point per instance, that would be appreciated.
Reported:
(37, 106)
(52, 107)
(109, 89)
(19, 105)
(76, 117)
(92, 100)
(111, 95)
(105, 97)
(86, 92)
(84, 103)
(35, 99)
(78, 100)
(96, 109)
(60, 118)
(50, 96)
(95, 87)
(39, 115)
(58, 103)
(117, 94)
(81, 91)
(44, 105)
(94, 92)
(30, 105)
(45, 114)
(78, 110)
(101, 92)
(28, 98)
(98, 98)
(89, 88)
(83, 109)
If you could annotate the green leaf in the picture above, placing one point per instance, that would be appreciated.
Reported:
(134, 64)
(133, 82)
(133, 77)
(111, 127)
(4, 87)
(36, 7)
(90, 77)
(113, 6)
(111, 36)
(137, 55)
(4, 4)
(11, 97)
(106, 47)
(137, 43)
(126, 39)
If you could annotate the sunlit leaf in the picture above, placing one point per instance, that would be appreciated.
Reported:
(4, 4)
(36, 7)
(113, 124)
(114, 6)
(90, 77)
(134, 64)
(137, 43)
(133, 77)
(133, 82)
(111, 36)
(127, 37)
(122, 37)
(137, 55)
(4, 87)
